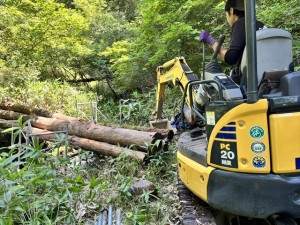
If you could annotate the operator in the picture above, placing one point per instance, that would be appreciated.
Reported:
(235, 15)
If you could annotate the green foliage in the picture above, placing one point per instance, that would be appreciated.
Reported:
(125, 189)
(17, 77)
(138, 109)
(40, 33)
(61, 41)
(139, 217)
(167, 30)
(128, 109)
(128, 8)
(45, 43)
(22, 86)
(38, 188)
(25, 193)
(118, 42)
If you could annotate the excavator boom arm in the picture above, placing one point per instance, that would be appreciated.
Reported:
(177, 71)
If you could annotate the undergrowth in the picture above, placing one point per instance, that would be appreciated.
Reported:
(60, 97)
(39, 188)
(23, 86)
(140, 108)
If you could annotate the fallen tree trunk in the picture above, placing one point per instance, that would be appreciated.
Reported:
(95, 146)
(35, 111)
(26, 110)
(165, 133)
(116, 136)
(11, 115)
(8, 123)
(83, 143)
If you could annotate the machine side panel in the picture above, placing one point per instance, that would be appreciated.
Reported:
(240, 140)
(285, 142)
(194, 175)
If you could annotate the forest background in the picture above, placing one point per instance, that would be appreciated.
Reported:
(117, 43)
(55, 51)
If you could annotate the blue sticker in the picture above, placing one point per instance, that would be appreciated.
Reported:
(259, 162)
(298, 163)
(226, 136)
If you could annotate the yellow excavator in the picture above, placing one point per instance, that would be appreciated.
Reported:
(244, 158)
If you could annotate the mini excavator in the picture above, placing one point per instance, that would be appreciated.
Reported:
(244, 158)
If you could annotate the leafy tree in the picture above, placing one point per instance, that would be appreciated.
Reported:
(119, 42)
(164, 32)
(43, 34)
(128, 8)
(167, 30)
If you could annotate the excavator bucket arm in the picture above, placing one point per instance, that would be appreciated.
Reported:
(178, 72)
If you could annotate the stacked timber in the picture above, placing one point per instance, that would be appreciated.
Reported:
(105, 140)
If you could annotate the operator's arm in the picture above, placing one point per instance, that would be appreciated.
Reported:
(237, 43)
(230, 56)
(222, 51)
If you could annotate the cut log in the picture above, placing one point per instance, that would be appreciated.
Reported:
(26, 110)
(116, 136)
(86, 144)
(11, 115)
(18, 108)
(8, 123)
(165, 133)
(95, 146)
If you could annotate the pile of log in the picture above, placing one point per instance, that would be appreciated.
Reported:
(105, 140)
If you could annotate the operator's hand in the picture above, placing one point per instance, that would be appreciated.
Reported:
(207, 38)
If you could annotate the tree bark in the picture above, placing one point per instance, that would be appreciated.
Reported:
(11, 115)
(35, 111)
(117, 136)
(84, 80)
(8, 123)
(165, 133)
(95, 146)
(26, 110)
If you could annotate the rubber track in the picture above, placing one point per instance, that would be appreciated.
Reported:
(194, 211)
(197, 212)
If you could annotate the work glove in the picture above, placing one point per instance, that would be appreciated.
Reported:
(207, 38)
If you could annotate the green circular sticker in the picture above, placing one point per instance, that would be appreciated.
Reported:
(258, 147)
(257, 132)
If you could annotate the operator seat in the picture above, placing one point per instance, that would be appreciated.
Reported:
(274, 52)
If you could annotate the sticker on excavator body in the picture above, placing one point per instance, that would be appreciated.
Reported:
(258, 147)
(297, 163)
(257, 132)
(210, 118)
(225, 154)
(259, 162)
